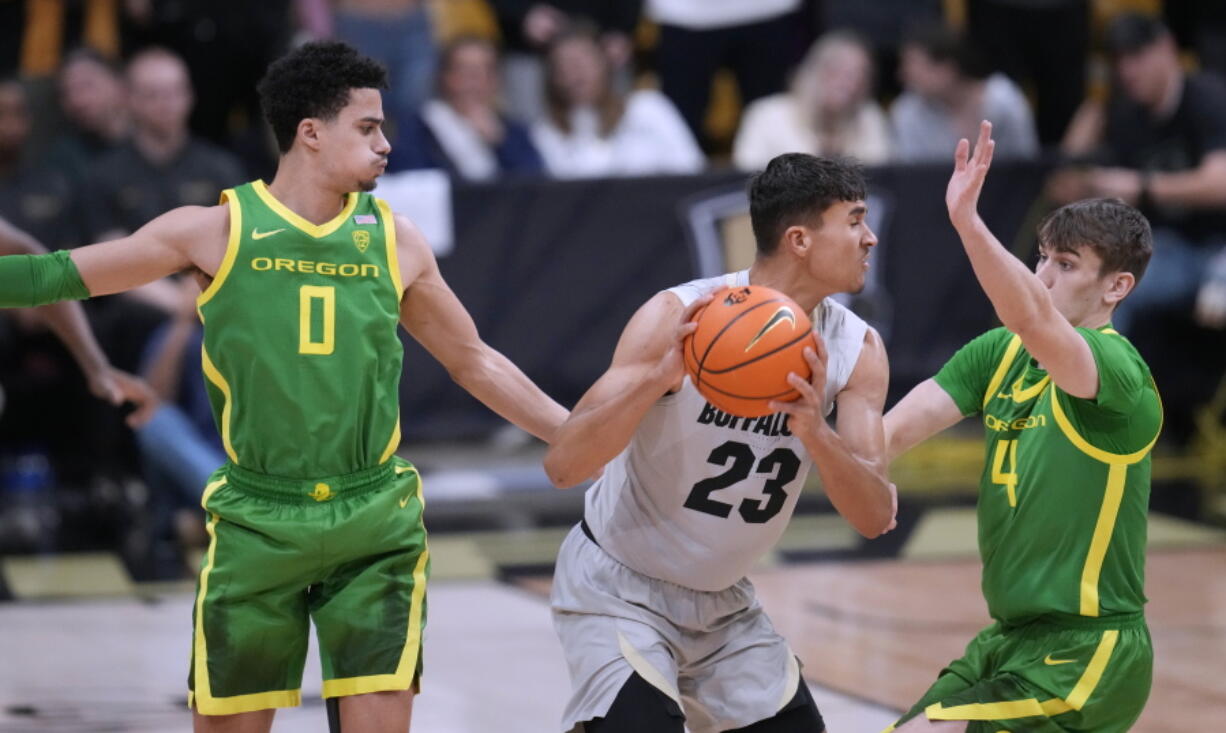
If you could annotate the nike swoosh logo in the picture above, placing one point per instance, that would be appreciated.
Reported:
(783, 314)
(1049, 660)
(257, 234)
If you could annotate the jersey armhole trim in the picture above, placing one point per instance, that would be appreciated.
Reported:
(1083, 445)
(232, 244)
(389, 241)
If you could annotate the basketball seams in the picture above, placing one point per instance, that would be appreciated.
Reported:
(762, 371)
(760, 357)
(723, 329)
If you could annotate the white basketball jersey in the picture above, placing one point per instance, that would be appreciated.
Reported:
(699, 495)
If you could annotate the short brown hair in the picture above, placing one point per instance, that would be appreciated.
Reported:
(1115, 231)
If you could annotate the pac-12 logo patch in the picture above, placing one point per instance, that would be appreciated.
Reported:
(361, 238)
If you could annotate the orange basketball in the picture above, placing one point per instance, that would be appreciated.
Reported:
(747, 341)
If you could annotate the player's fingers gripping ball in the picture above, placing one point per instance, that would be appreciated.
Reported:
(747, 341)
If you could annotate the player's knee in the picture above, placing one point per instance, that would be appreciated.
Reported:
(639, 707)
(800, 715)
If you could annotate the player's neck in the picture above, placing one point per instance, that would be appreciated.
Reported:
(790, 281)
(302, 189)
(1094, 320)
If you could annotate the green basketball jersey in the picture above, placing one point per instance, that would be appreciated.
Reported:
(1065, 486)
(301, 355)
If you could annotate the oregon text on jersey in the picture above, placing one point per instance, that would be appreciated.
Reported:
(348, 269)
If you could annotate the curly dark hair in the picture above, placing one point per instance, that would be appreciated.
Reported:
(314, 80)
(796, 188)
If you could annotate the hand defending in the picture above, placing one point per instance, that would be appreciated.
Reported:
(962, 193)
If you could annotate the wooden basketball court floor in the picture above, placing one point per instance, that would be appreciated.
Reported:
(871, 633)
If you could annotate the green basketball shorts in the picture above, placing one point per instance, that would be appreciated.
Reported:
(348, 552)
(1089, 674)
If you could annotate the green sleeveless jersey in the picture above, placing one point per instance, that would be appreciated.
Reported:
(301, 355)
(1065, 486)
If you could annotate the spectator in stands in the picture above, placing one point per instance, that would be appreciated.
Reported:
(829, 110)
(94, 101)
(759, 41)
(397, 33)
(462, 131)
(593, 130)
(162, 166)
(36, 198)
(34, 35)
(882, 24)
(1159, 143)
(948, 92)
(226, 46)
(528, 27)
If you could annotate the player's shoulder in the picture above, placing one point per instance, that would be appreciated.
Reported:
(999, 337)
(1114, 351)
(185, 220)
(688, 292)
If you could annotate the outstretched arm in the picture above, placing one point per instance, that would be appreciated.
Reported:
(924, 412)
(646, 365)
(433, 315)
(851, 460)
(67, 321)
(1022, 302)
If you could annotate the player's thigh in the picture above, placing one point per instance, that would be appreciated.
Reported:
(748, 674)
(605, 638)
(1050, 681)
(370, 610)
(640, 707)
(798, 716)
(250, 618)
(924, 725)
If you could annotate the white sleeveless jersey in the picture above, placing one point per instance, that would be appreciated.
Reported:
(698, 496)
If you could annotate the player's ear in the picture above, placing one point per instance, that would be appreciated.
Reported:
(1120, 284)
(796, 240)
(308, 132)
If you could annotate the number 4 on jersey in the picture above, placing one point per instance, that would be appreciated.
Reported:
(1008, 478)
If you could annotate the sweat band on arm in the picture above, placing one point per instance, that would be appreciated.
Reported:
(30, 280)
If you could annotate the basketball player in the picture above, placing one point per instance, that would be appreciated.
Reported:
(1071, 413)
(659, 625)
(67, 321)
(313, 516)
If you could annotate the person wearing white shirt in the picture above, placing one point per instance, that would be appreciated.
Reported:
(828, 111)
(591, 130)
(948, 93)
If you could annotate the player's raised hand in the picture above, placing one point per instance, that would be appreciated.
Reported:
(962, 193)
(807, 413)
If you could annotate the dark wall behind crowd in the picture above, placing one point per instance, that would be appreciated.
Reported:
(551, 272)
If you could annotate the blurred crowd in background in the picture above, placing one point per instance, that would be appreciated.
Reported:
(115, 111)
